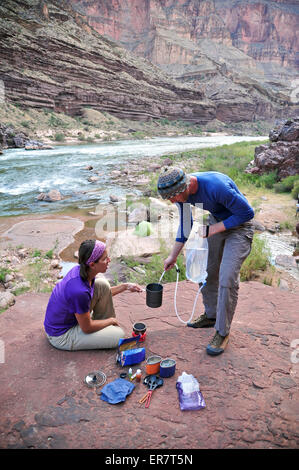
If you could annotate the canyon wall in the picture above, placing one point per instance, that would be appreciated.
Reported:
(51, 58)
(243, 55)
(264, 30)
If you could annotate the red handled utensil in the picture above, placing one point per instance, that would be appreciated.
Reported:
(152, 381)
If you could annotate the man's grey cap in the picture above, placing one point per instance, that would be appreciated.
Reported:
(172, 181)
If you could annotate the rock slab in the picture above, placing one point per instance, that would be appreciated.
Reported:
(251, 391)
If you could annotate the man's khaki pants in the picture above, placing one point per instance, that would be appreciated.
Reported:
(227, 251)
(101, 307)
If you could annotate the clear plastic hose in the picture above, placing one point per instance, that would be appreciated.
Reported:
(175, 295)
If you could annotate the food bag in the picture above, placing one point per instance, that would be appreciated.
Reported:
(190, 396)
(128, 353)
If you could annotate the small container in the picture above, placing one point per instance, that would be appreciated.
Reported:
(167, 367)
(138, 375)
(130, 372)
(153, 365)
(139, 329)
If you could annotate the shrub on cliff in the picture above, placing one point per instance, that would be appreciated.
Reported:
(59, 137)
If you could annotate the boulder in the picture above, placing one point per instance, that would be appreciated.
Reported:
(285, 260)
(8, 278)
(142, 181)
(154, 167)
(287, 131)
(138, 215)
(22, 285)
(115, 173)
(258, 226)
(10, 138)
(7, 299)
(167, 162)
(55, 264)
(36, 145)
(93, 179)
(52, 196)
(282, 155)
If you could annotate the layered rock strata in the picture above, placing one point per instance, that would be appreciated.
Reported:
(241, 54)
(50, 58)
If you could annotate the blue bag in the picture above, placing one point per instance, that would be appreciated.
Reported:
(117, 391)
(128, 352)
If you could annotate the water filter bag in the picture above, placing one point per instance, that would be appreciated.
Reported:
(197, 251)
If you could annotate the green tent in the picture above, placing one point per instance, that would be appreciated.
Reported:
(143, 229)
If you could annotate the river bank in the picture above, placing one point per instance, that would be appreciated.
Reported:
(95, 126)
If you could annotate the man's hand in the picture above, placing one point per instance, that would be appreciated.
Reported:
(203, 231)
(169, 263)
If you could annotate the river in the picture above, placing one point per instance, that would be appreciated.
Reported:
(24, 174)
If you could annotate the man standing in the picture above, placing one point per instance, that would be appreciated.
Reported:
(229, 234)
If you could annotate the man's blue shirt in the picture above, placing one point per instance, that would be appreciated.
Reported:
(219, 195)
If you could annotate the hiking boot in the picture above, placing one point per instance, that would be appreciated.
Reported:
(202, 322)
(217, 345)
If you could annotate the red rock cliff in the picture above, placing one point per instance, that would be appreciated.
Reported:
(240, 54)
(265, 30)
(51, 58)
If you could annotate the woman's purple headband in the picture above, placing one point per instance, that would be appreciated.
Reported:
(97, 252)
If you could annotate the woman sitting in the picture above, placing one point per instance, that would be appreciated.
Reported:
(80, 312)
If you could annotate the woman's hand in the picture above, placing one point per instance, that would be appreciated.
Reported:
(133, 287)
(113, 321)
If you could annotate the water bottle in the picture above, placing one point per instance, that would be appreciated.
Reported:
(190, 397)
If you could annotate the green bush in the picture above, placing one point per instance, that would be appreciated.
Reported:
(258, 260)
(59, 137)
(55, 121)
(49, 254)
(295, 190)
(287, 184)
(267, 180)
(3, 273)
